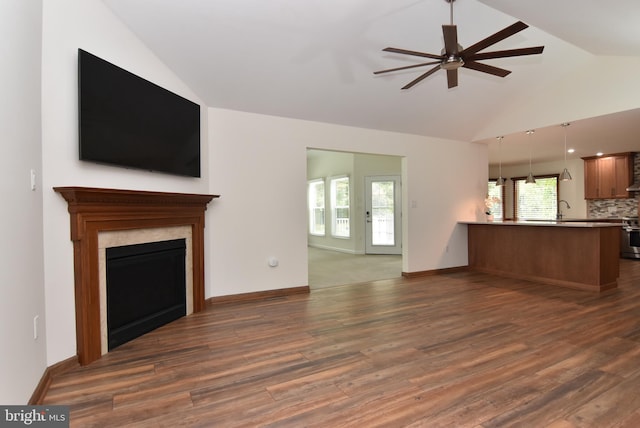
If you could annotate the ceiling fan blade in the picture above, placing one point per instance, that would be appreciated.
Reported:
(450, 33)
(495, 38)
(414, 53)
(421, 77)
(452, 78)
(486, 68)
(406, 67)
(503, 54)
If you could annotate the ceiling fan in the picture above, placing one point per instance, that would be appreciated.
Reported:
(453, 56)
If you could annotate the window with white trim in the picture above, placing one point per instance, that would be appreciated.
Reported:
(340, 207)
(315, 195)
(537, 201)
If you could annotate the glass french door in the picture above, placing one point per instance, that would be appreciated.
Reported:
(383, 228)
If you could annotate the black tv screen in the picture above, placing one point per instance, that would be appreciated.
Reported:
(128, 121)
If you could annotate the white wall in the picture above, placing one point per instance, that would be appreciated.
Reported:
(67, 26)
(258, 166)
(22, 359)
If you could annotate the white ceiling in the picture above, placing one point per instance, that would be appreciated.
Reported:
(314, 60)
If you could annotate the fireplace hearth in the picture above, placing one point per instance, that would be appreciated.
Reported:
(95, 212)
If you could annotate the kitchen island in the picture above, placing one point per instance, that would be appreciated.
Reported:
(581, 255)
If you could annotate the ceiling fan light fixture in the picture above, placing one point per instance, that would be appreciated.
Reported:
(452, 62)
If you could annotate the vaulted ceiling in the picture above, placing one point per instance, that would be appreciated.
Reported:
(314, 60)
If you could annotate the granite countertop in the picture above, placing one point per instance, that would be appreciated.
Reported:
(555, 223)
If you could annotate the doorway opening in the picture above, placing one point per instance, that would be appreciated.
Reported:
(372, 248)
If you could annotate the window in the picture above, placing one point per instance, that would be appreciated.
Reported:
(340, 207)
(536, 201)
(316, 207)
(496, 192)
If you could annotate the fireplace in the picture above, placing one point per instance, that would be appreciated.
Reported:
(145, 288)
(104, 218)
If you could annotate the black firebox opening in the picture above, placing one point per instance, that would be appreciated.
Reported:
(146, 288)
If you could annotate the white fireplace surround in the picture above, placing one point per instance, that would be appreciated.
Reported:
(118, 238)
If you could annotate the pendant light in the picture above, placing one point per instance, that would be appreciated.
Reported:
(500, 180)
(530, 179)
(565, 176)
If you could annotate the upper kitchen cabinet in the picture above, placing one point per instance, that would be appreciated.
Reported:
(608, 176)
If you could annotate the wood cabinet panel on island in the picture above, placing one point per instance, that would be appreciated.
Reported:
(608, 176)
(580, 255)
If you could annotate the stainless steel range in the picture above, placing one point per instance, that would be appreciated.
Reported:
(630, 240)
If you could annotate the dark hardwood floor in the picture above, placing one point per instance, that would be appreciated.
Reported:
(461, 350)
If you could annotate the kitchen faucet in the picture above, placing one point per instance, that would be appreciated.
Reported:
(559, 214)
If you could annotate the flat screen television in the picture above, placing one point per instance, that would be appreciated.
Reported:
(128, 121)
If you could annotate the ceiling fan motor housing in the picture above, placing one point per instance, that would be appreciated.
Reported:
(452, 62)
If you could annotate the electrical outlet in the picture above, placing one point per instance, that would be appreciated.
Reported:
(35, 327)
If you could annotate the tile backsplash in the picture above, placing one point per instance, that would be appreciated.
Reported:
(603, 208)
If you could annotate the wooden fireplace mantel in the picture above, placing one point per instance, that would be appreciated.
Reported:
(94, 210)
